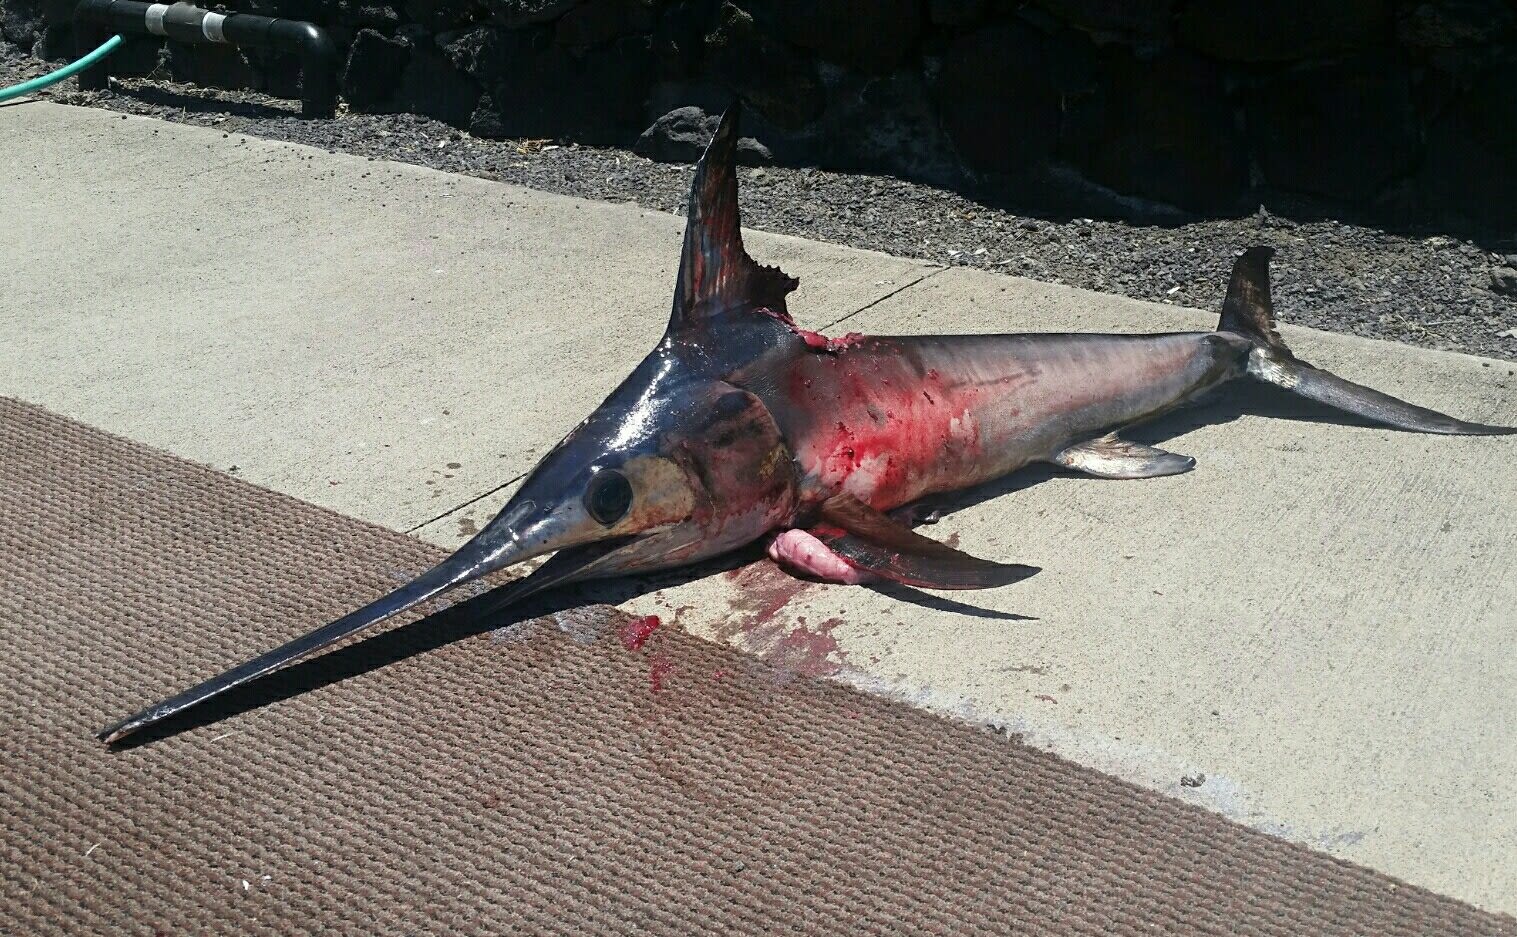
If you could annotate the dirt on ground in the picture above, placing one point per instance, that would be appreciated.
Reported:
(1424, 288)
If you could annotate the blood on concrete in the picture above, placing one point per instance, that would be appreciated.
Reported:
(757, 623)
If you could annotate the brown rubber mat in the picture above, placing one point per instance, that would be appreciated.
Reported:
(440, 779)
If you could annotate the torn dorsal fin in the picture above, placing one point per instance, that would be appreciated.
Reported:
(715, 274)
(873, 542)
(1248, 309)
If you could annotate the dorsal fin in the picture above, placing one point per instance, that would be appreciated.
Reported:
(715, 274)
(1248, 308)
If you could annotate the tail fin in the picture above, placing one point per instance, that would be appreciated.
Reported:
(1249, 311)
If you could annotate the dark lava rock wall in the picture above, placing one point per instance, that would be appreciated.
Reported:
(1399, 110)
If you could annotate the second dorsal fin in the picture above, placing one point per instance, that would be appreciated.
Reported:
(1248, 309)
(716, 275)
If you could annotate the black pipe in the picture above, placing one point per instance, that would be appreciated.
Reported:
(97, 20)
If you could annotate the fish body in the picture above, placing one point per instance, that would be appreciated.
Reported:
(893, 419)
(741, 427)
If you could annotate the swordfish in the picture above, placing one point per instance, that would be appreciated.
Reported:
(741, 427)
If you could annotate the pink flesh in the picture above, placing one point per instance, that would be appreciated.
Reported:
(813, 339)
(799, 551)
(820, 342)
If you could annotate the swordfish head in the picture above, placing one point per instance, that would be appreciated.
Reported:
(676, 465)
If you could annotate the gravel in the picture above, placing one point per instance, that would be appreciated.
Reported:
(1426, 289)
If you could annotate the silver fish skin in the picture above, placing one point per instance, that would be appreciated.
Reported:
(891, 419)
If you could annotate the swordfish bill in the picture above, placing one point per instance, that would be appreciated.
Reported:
(741, 427)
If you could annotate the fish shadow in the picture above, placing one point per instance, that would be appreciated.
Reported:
(455, 622)
(616, 591)
(938, 603)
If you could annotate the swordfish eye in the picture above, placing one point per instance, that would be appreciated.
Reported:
(608, 496)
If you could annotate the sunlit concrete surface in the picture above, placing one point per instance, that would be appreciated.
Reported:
(378, 338)
(1315, 632)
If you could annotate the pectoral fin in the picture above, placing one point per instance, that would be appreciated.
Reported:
(874, 543)
(1110, 457)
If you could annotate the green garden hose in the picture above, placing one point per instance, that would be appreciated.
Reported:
(52, 78)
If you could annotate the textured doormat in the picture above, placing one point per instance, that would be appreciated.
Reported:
(438, 778)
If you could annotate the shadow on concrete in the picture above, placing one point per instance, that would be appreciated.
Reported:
(939, 603)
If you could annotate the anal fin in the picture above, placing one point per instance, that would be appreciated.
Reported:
(871, 542)
(1111, 457)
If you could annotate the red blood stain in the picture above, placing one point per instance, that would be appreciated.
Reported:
(636, 632)
(894, 430)
(659, 667)
(809, 651)
(763, 589)
(757, 623)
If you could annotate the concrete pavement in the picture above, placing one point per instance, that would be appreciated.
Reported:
(276, 293)
(1315, 632)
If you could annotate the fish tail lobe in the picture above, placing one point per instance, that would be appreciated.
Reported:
(1249, 311)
